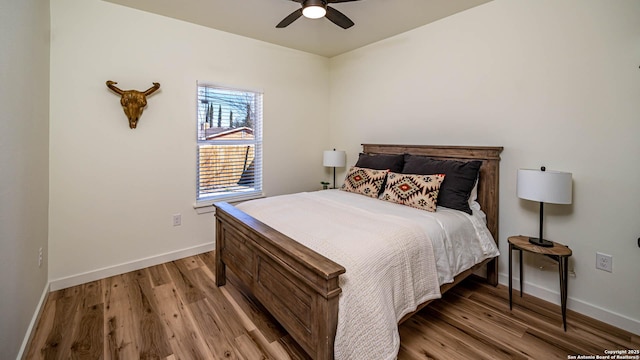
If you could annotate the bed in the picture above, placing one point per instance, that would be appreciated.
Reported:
(302, 288)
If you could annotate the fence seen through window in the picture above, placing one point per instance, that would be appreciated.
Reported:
(229, 143)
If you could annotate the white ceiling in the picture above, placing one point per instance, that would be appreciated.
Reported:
(374, 19)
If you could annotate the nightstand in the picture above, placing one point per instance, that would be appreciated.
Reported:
(558, 252)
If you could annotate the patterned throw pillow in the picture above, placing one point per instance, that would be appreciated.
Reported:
(364, 181)
(418, 191)
(456, 188)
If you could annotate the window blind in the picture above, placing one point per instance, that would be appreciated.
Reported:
(229, 159)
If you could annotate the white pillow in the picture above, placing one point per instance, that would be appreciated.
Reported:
(473, 197)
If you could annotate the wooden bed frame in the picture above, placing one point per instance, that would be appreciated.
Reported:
(298, 286)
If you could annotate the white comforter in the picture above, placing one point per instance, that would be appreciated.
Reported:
(395, 257)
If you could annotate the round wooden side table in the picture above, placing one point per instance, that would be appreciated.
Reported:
(558, 252)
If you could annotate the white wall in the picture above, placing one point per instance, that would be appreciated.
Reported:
(113, 189)
(556, 84)
(24, 152)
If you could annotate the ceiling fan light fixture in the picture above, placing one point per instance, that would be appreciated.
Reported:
(314, 9)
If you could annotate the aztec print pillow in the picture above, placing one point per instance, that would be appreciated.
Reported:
(418, 191)
(364, 181)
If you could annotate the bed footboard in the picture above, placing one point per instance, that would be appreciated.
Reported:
(295, 284)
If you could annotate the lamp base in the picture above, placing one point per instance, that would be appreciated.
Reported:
(541, 242)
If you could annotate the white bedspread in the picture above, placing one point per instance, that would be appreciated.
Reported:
(395, 258)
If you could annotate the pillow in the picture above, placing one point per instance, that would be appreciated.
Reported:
(473, 197)
(364, 181)
(460, 178)
(392, 163)
(418, 191)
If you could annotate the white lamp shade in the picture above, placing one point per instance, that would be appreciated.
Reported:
(334, 158)
(549, 186)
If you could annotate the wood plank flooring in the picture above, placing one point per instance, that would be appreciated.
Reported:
(174, 311)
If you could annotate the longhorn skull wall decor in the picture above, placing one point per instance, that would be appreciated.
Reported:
(133, 101)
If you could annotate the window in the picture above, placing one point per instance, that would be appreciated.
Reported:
(229, 144)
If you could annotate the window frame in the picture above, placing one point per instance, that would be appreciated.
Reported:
(256, 142)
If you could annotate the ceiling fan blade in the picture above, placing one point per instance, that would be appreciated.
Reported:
(338, 18)
(289, 19)
(337, 1)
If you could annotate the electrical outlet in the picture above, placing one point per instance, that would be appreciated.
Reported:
(40, 257)
(177, 219)
(604, 262)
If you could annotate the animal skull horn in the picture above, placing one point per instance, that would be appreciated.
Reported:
(133, 101)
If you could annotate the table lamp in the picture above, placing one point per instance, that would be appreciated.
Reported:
(552, 187)
(333, 158)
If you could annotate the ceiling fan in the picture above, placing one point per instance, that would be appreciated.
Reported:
(315, 9)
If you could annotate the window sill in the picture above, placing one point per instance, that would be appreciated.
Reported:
(206, 206)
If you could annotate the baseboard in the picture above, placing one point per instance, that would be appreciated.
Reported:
(34, 320)
(577, 305)
(98, 274)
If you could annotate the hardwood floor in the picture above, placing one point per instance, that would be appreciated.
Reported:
(174, 311)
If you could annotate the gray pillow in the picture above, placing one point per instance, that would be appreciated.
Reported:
(393, 163)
